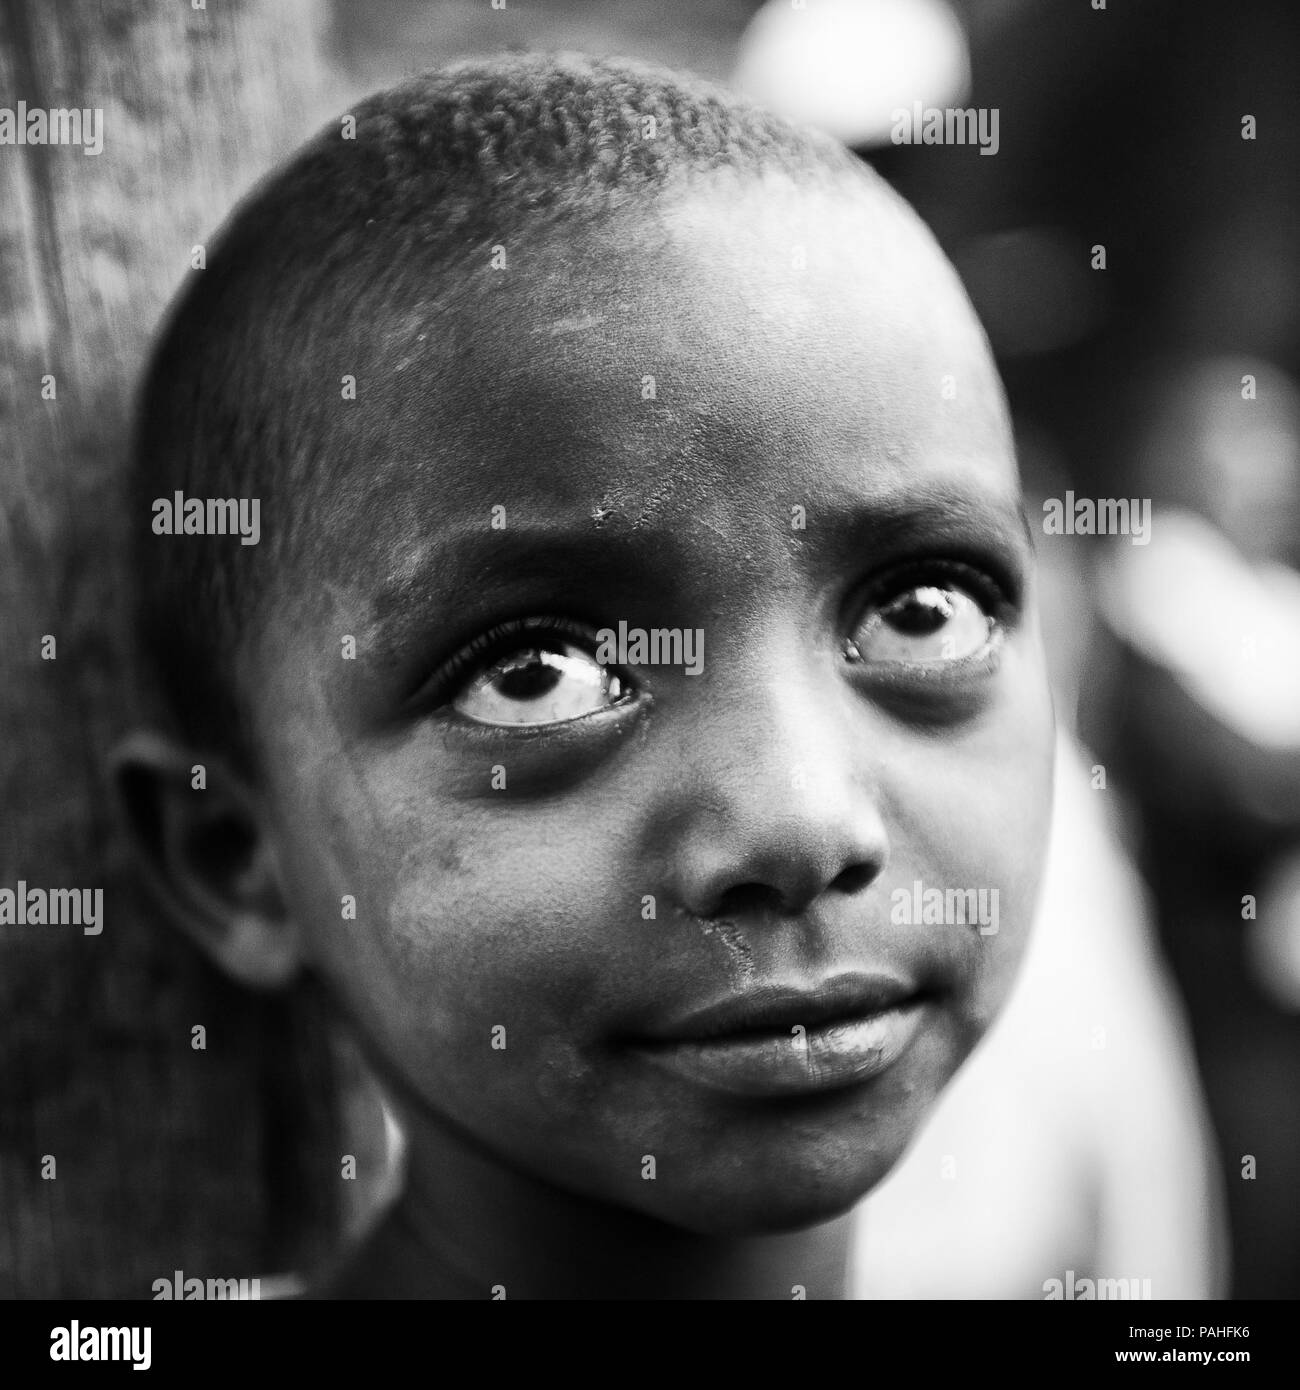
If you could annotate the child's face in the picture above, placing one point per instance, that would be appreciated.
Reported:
(822, 455)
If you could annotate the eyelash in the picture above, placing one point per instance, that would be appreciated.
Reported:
(479, 652)
(994, 594)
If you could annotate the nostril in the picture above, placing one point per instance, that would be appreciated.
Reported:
(749, 901)
(854, 879)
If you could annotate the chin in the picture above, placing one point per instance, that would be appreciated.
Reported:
(786, 1197)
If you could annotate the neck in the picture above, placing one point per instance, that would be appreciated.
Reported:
(467, 1226)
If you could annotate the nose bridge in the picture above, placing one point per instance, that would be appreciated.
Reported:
(778, 795)
(798, 725)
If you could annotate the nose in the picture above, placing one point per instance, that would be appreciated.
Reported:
(779, 803)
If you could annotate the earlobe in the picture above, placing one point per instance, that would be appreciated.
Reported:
(204, 847)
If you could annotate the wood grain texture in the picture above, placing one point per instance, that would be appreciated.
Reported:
(223, 1162)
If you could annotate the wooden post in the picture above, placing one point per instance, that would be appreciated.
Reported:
(125, 1151)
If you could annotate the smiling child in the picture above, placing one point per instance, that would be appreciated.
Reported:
(518, 358)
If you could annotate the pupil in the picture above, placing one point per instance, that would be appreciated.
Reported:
(532, 676)
(922, 612)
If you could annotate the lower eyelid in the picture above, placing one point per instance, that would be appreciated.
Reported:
(564, 730)
(952, 669)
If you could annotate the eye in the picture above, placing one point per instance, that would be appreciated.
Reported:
(924, 624)
(535, 681)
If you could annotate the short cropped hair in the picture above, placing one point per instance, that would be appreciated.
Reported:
(408, 184)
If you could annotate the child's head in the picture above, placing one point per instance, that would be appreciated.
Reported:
(522, 353)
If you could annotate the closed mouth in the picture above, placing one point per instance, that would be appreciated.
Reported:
(776, 1009)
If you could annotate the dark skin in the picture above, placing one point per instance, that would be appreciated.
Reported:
(810, 350)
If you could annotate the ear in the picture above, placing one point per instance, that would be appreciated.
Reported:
(203, 843)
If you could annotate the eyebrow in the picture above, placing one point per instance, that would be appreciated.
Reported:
(473, 554)
(496, 567)
(926, 509)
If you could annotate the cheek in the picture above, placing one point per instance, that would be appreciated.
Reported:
(487, 945)
(974, 813)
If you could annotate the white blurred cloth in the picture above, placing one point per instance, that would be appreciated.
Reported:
(1075, 1137)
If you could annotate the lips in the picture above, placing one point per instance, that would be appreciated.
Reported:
(771, 1008)
(778, 1040)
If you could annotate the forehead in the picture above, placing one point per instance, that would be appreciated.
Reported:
(713, 356)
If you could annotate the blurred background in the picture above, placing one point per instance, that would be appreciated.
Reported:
(1163, 368)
